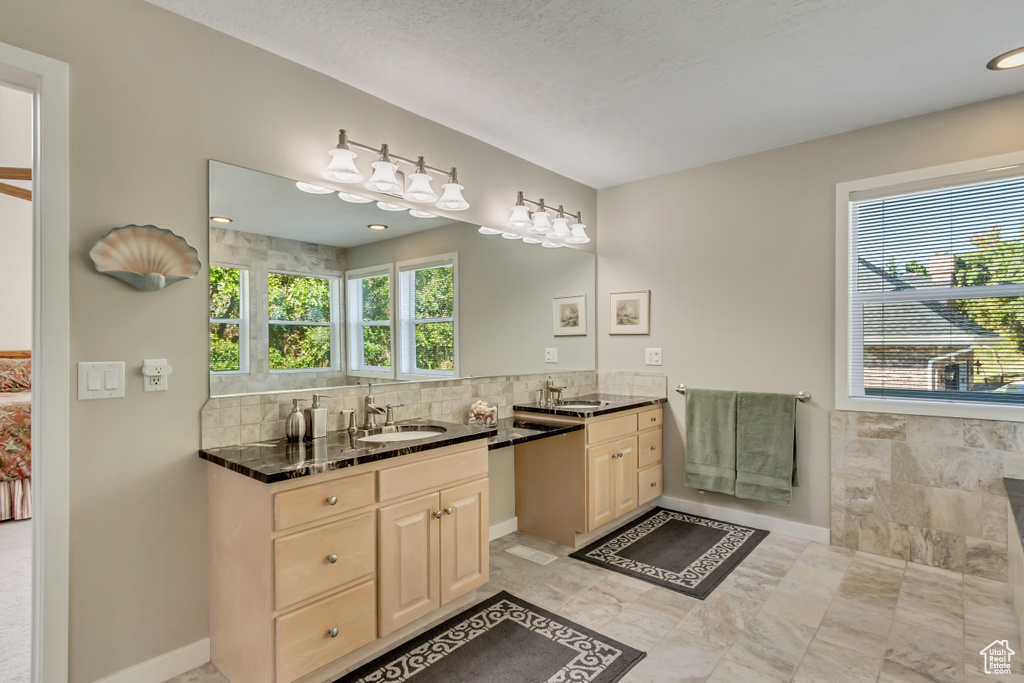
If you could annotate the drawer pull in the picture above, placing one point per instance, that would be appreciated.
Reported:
(654, 448)
(654, 484)
(333, 500)
(332, 632)
(332, 558)
(449, 510)
(654, 419)
(438, 514)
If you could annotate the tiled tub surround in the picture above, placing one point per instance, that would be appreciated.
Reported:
(262, 255)
(925, 489)
(230, 420)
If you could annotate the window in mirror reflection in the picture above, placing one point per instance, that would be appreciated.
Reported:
(427, 318)
(229, 319)
(369, 321)
(301, 310)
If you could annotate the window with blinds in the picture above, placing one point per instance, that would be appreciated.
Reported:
(427, 303)
(936, 290)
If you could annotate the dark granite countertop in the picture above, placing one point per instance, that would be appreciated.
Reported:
(1015, 492)
(279, 460)
(610, 403)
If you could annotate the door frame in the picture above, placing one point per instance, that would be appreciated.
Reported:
(47, 80)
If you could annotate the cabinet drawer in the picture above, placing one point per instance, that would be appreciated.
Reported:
(304, 641)
(311, 503)
(649, 449)
(303, 560)
(433, 474)
(649, 419)
(611, 429)
(651, 485)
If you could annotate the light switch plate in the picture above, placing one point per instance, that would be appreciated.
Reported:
(100, 380)
(551, 355)
(654, 356)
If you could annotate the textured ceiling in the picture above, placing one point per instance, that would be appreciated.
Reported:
(609, 91)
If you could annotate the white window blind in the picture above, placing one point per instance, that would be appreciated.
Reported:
(427, 305)
(369, 315)
(937, 292)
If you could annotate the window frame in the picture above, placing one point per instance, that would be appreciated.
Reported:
(407, 325)
(354, 327)
(243, 322)
(334, 322)
(849, 390)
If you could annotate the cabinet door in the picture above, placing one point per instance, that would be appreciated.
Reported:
(601, 462)
(624, 474)
(464, 539)
(408, 561)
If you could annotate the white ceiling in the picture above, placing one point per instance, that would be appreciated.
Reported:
(610, 91)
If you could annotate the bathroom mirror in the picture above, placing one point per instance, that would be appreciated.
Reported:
(308, 290)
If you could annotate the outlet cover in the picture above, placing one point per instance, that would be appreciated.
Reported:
(551, 355)
(100, 380)
(654, 356)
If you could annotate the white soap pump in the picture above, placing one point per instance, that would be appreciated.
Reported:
(317, 418)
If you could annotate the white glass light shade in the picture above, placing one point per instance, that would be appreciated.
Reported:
(531, 240)
(520, 219)
(488, 231)
(416, 213)
(551, 245)
(579, 234)
(451, 199)
(342, 167)
(391, 207)
(541, 223)
(383, 178)
(561, 230)
(511, 236)
(312, 189)
(419, 189)
(354, 198)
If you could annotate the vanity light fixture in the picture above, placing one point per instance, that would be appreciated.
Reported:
(416, 213)
(486, 231)
(313, 189)
(520, 219)
(531, 240)
(386, 206)
(377, 226)
(220, 219)
(354, 198)
(541, 220)
(387, 179)
(579, 234)
(551, 245)
(1008, 60)
(561, 225)
(511, 236)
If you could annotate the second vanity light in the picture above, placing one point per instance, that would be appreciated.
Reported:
(385, 177)
(554, 232)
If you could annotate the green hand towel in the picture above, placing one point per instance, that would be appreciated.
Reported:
(766, 447)
(711, 440)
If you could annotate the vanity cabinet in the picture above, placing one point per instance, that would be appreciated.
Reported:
(320, 573)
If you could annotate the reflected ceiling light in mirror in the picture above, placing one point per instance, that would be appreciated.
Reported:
(416, 213)
(384, 179)
(391, 207)
(451, 197)
(343, 165)
(511, 236)
(419, 189)
(312, 189)
(220, 219)
(486, 231)
(579, 234)
(539, 222)
(1008, 60)
(561, 226)
(377, 226)
(531, 240)
(353, 198)
(551, 245)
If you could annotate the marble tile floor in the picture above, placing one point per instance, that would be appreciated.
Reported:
(792, 611)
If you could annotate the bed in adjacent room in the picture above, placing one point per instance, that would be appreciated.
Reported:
(15, 435)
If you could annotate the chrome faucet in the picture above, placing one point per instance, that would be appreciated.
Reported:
(370, 409)
(550, 388)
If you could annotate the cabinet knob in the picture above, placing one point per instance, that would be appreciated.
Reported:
(654, 419)
(333, 500)
(438, 514)
(654, 448)
(332, 632)
(332, 558)
(449, 510)
(654, 484)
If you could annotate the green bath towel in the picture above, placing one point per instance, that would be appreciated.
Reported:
(766, 447)
(711, 440)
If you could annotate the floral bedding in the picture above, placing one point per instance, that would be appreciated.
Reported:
(15, 374)
(15, 438)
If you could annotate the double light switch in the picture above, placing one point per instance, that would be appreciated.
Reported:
(100, 380)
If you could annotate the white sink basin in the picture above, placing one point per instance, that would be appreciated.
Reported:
(399, 436)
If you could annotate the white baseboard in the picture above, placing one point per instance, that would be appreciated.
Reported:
(168, 665)
(504, 528)
(780, 526)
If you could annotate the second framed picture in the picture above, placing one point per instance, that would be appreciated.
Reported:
(630, 312)
(569, 315)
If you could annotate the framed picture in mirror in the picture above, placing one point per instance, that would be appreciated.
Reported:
(569, 315)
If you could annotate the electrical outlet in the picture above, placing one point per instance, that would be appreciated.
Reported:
(551, 355)
(154, 374)
(654, 356)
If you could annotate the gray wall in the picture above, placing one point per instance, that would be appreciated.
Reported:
(505, 291)
(15, 224)
(740, 258)
(154, 96)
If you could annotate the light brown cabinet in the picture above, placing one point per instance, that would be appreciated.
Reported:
(308, 575)
(611, 481)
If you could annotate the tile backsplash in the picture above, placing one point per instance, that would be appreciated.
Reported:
(623, 383)
(925, 489)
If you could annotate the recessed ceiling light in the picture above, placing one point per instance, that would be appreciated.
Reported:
(1008, 60)
(377, 226)
(220, 219)
(312, 189)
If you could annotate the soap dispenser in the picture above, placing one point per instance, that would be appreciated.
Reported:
(295, 427)
(316, 418)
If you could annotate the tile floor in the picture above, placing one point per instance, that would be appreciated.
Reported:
(792, 611)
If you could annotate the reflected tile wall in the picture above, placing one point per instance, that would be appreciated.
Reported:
(927, 490)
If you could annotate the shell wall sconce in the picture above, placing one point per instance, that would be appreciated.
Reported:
(145, 256)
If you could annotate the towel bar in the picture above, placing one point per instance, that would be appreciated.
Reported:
(801, 396)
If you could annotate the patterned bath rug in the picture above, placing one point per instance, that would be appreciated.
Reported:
(502, 640)
(685, 553)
